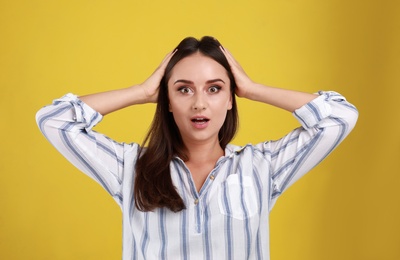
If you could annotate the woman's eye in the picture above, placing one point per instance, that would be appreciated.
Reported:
(184, 90)
(214, 89)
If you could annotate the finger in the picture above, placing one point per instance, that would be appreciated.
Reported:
(224, 51)
(165, 61)
(168, 57)
(229, 57)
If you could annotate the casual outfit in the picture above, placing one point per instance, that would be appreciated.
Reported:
(229, 217)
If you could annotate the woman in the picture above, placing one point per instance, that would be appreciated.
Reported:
(190, 194)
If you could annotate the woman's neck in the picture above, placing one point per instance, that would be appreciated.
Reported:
(202, 160)
(204, 152)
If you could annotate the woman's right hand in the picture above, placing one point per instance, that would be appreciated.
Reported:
(150, 86)
(147, 92)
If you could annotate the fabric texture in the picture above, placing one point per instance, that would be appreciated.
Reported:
(229, 217)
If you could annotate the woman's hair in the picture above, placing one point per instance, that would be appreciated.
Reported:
(153, 184)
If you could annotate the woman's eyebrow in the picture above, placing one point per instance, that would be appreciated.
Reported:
(215, 80)
(191, 82)
(183, 81)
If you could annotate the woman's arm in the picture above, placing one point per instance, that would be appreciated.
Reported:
(68, 123)
(289, 100)
(326, 119)
(110, 101)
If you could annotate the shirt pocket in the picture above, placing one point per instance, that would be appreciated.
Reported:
(237, 197)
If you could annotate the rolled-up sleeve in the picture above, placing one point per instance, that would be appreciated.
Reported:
(325, 122)
(67, 124)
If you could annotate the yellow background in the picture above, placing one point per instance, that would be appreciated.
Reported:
(346, 208)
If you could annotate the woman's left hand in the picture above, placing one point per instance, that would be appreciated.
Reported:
(289, 100)
(243, 82)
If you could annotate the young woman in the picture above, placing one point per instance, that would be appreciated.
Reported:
(189, 194)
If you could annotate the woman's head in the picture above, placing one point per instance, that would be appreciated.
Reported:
(153, 184)
(190, 47)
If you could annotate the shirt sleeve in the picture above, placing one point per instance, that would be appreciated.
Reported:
(67, 124)
(325, 122)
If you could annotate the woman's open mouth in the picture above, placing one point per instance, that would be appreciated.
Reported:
(200, 122)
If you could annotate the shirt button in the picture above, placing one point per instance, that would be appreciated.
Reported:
(196, 202)
(212, 177)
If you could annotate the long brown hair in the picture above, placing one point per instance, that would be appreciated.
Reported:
(153, 184)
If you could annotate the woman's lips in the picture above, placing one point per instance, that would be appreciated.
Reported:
(200, 122)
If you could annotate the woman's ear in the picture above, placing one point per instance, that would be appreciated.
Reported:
(230, 103)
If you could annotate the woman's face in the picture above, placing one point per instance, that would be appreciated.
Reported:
(200, 96)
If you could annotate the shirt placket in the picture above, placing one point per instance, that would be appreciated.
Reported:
(198, 203)
(197, 197)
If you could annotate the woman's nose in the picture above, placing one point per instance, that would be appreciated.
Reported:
(199, 103)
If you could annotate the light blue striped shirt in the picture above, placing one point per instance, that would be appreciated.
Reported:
(229, 217)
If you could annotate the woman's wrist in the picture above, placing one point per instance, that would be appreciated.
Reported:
(254, 91)
(289, 100)
(143, 94)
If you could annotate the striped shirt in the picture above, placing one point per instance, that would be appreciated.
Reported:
(229, 217)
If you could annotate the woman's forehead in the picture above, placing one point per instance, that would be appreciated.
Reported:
(198, 66)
